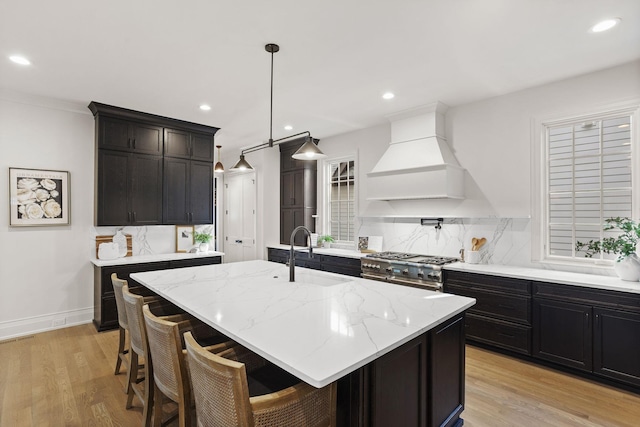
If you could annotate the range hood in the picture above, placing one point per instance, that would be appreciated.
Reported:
(418, 163)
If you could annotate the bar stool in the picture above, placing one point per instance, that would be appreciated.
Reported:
(170, 373)
(230, 393)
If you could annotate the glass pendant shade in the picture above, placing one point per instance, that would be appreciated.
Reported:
(309, 151)
(242, 164)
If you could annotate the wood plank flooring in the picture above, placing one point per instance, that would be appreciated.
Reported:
(65, 378)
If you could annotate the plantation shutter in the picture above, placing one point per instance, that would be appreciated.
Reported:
(589, 180)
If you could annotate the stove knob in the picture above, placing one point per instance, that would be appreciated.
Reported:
(405, 272)
(389, 269)
(420, 274)
(377, 267)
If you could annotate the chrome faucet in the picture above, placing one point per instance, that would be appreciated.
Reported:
(292, 258)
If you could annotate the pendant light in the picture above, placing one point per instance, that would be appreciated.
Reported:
(308, 151)
(218, 168)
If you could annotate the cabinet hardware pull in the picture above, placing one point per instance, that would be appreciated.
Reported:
(134, 143)
(134, 216)
(128, 142)
(238, 241)
(128, 216)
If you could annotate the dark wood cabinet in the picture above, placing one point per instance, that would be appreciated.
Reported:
(420, 383)
(298, 193)
(188, 145)
(501, 316)
(562, 333)
(129, 188)
(125, 135)
(188, 191)
(329, 263)
(152, 169)
(105, 313)
(616, 345)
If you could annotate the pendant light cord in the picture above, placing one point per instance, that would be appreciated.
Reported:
(271, 106)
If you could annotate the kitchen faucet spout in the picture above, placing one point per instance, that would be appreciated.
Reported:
(292, 258)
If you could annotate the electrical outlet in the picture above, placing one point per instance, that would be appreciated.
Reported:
(59, 322)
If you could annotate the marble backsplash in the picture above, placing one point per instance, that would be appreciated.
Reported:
(508, 240)
(147, 240)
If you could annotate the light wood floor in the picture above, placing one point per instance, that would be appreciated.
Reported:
(65, 378)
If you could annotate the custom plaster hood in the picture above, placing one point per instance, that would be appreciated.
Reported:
(418, 163)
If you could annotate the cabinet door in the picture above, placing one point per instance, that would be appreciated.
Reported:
(146, 138)
(290, 219)
(292, 189)
(616, 351)
(176, 143)
(146, 190)
(176, 187)
(562, 333)
(114, 175)
(114, 134)
(202, 147)
(201, 192)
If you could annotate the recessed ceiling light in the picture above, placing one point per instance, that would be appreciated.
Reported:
(20, 60)
(288, 127)
(388, 95)
(605, 25)
(205, 107)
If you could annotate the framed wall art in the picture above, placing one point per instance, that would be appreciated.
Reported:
(184, 238)
(38, 197)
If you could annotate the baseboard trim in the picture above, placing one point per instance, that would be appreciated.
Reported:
(47, 322)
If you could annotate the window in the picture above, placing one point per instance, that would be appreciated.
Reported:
(341, 200)
(588, 179)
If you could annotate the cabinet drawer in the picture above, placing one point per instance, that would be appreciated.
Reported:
(495, 304)
(485, 281)
(501, 334)
(194, 262)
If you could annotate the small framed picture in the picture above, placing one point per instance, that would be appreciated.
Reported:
(184, 238)
(38, 197)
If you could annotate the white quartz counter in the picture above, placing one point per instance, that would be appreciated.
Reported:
(319, 328)
(153, 258)
(347, 253)
(552, 276)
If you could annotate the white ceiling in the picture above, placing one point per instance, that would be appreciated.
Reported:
(337, 57)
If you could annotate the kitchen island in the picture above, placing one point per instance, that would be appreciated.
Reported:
(397, 352)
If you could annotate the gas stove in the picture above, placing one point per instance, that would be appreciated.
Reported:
(423, 271)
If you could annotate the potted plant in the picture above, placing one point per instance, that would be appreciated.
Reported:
(325, 240)
(627, 264)
(203, 239)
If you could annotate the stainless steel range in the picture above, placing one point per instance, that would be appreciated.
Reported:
(422, 271)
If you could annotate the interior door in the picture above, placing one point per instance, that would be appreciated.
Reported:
(240, 217)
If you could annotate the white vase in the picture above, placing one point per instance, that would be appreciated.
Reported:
(326, 244)
(204, 247)
(628, 268)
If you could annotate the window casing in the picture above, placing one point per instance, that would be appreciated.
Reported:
(588, 172)
(341, 199)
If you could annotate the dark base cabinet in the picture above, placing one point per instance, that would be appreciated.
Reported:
(105, 313)
(562, 333)
(594, 333)
(329, 263)
(421, 383)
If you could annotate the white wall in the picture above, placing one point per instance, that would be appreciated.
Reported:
(45, 273)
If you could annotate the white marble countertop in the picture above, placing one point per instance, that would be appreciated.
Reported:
(319, 328)
(153, 258)
(347, 253)
(553, 276)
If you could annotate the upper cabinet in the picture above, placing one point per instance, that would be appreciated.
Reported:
(188, 145)
(151, 169)
(116, 134)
